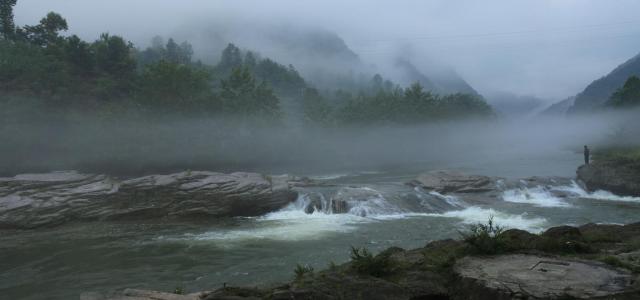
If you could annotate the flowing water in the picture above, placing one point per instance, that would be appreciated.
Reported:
(61, 263)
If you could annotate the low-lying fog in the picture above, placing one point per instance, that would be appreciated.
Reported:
(136, 147)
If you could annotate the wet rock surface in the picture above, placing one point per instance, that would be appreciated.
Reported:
(619, 179)
(540, 277)
(454, 182)
(37, 200)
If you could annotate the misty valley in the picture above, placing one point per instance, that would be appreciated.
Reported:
(188, 157)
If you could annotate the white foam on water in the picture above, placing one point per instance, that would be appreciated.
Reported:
(286, 226)
(451, 200)
(329, 176)
(578, 191)
(537, 196)
(474, 215)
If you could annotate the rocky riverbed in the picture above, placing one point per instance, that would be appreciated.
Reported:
(588, 262)
(138, 225)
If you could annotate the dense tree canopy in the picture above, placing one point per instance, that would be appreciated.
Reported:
(71, 74)
(628, 95)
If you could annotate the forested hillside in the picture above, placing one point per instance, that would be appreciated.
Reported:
(44, 72)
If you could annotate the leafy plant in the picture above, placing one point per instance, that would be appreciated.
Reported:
(365, 263)
(179, 290)
(301, 270)
(485, 238)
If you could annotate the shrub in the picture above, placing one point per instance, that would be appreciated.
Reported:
(485, 238)
(365, 263)
(301, 270)
(178, 290)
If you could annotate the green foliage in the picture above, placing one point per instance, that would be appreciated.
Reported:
(365, 263)
(231, 59)
(315, 107)
(301, 270)
(47, 32)
(166, 86)
(7, 25)
(409, 106)
(241, 95)
(171, 52)
(628, 95)
(179, 290)
(109, 76)
(624, 156)
(485, 238)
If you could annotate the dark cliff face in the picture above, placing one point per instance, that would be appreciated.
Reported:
(619, 179)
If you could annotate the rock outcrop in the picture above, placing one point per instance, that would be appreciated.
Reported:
(539, 277)
(619, 179)
(36, 200)
(454, 182)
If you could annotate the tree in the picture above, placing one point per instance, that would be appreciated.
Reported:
(628, 95)
(113, 56)
(47, 32)
(78, 53)
(7, 25)
(250, 60)
(231, 59)
(241, 95)
(315, 107)
(115, 66)
(167, 86)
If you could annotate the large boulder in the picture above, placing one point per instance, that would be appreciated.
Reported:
(454, 182)
(619, 179)
(35, 200)
(539, 277)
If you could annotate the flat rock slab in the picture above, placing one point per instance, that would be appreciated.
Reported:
(135, 294)
(454, 182)
(537, 277)
(37, 200)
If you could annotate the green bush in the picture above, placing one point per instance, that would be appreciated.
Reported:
(365, 263)
(301, 270)
(485, 238)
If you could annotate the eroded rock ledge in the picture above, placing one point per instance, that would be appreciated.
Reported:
(617, 178)
(37, 200)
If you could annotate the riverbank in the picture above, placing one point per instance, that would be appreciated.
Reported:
(592, 261)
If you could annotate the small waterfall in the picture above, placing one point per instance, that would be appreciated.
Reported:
(369, 202)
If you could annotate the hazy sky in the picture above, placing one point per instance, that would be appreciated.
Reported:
(548, 48)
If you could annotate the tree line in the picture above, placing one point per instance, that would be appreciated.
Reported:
(111, 76)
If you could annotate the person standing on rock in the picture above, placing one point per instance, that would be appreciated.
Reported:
(586, 155)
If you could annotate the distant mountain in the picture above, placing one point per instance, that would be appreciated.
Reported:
(559, 108)
(512, 105)
(443, 81)
(599, 91)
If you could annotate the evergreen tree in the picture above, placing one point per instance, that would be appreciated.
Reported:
(7, 25)
(231, 59)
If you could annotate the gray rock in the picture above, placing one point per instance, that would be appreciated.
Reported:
(35, 200)
(619, 179)
(538, 277)
(454, 182)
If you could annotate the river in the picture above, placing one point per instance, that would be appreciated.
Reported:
(62, 262)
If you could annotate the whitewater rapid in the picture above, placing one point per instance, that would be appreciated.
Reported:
(294, 223)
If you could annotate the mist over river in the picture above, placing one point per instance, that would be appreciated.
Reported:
(104, 257)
